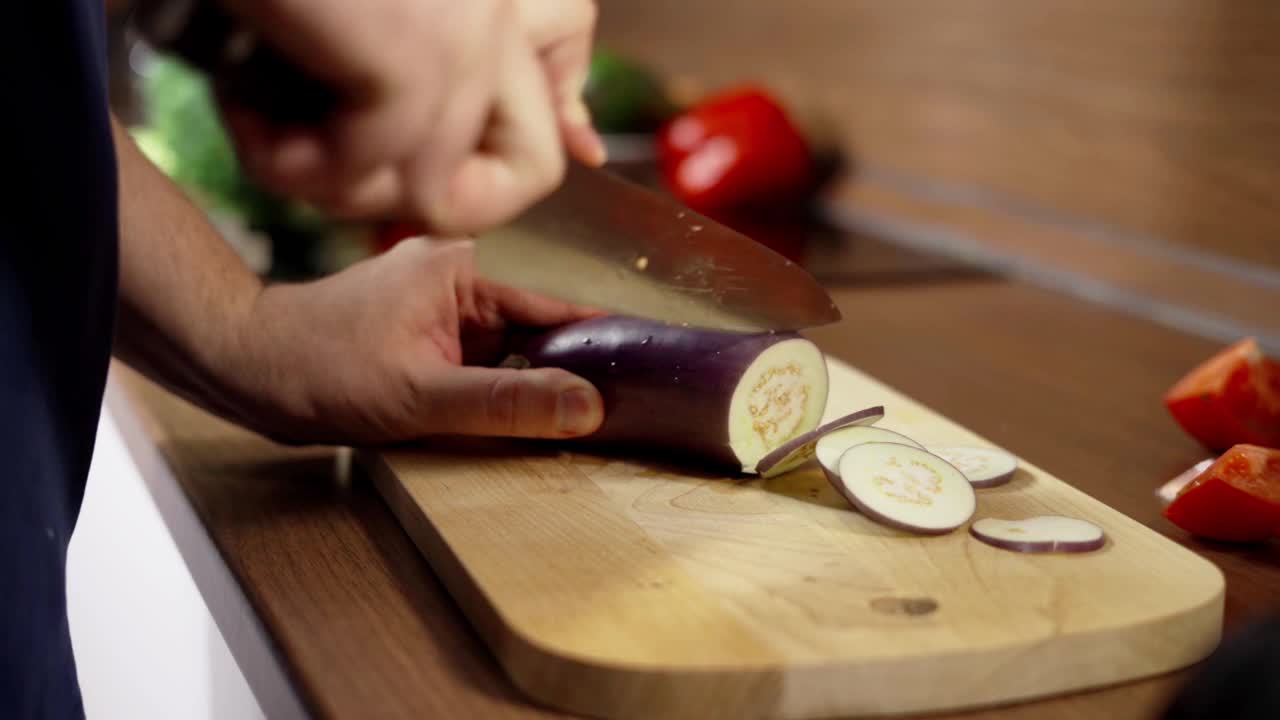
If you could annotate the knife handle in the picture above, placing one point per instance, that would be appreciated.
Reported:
(243, 68)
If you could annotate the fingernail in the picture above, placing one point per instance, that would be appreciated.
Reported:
(601, 152)
(578, 411)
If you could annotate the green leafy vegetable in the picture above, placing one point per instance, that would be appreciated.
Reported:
(185, 137)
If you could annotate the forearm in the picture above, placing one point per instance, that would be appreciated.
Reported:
(186, 299)
(368, 355)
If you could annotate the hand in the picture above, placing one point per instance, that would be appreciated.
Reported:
(375, 354)
(453, 114)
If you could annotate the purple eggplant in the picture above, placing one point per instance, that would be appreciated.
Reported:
(728, 398)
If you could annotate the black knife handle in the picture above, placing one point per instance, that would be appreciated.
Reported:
(244, 69)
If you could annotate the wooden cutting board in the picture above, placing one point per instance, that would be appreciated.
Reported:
(626, 589)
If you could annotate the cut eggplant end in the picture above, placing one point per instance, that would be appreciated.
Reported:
(781, 395)
(801, 448)
(984, 466)
(1040, 534)
(905, 487)
(1170, 490)
(832, 445)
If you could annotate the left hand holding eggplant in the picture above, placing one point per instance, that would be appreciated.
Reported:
(376, 354)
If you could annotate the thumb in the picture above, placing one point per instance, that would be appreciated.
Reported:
(542, 403)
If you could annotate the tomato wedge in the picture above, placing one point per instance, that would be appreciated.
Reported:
(1236, 499)
(1232, 398)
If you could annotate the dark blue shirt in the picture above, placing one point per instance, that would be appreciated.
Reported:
(57, 302)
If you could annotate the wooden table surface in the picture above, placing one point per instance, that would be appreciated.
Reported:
(1134, 141)
(1148, 117)
(331, 611)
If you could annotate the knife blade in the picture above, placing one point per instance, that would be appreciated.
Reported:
(603, 241)
(598, 240)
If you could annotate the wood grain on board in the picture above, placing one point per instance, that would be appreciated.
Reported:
(635, 589)
(1154, 118)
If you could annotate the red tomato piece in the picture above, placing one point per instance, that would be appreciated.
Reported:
(1236, 499)
(734, 149)
(1232, 398)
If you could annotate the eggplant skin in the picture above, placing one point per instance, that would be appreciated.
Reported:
(665, 387)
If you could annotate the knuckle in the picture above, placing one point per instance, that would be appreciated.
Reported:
(454, 259)
(416, 249)
(458, 252)
(426, 201)
(505, 396)
(552, 171)
(417, 399)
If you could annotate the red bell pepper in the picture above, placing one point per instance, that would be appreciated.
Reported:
(1236, 499)
(734, 149)
(1234, 397)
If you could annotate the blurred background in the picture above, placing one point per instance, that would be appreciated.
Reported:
(1128, 152)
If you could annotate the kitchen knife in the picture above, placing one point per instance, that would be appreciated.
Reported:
(598, 240)
(603, 241)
